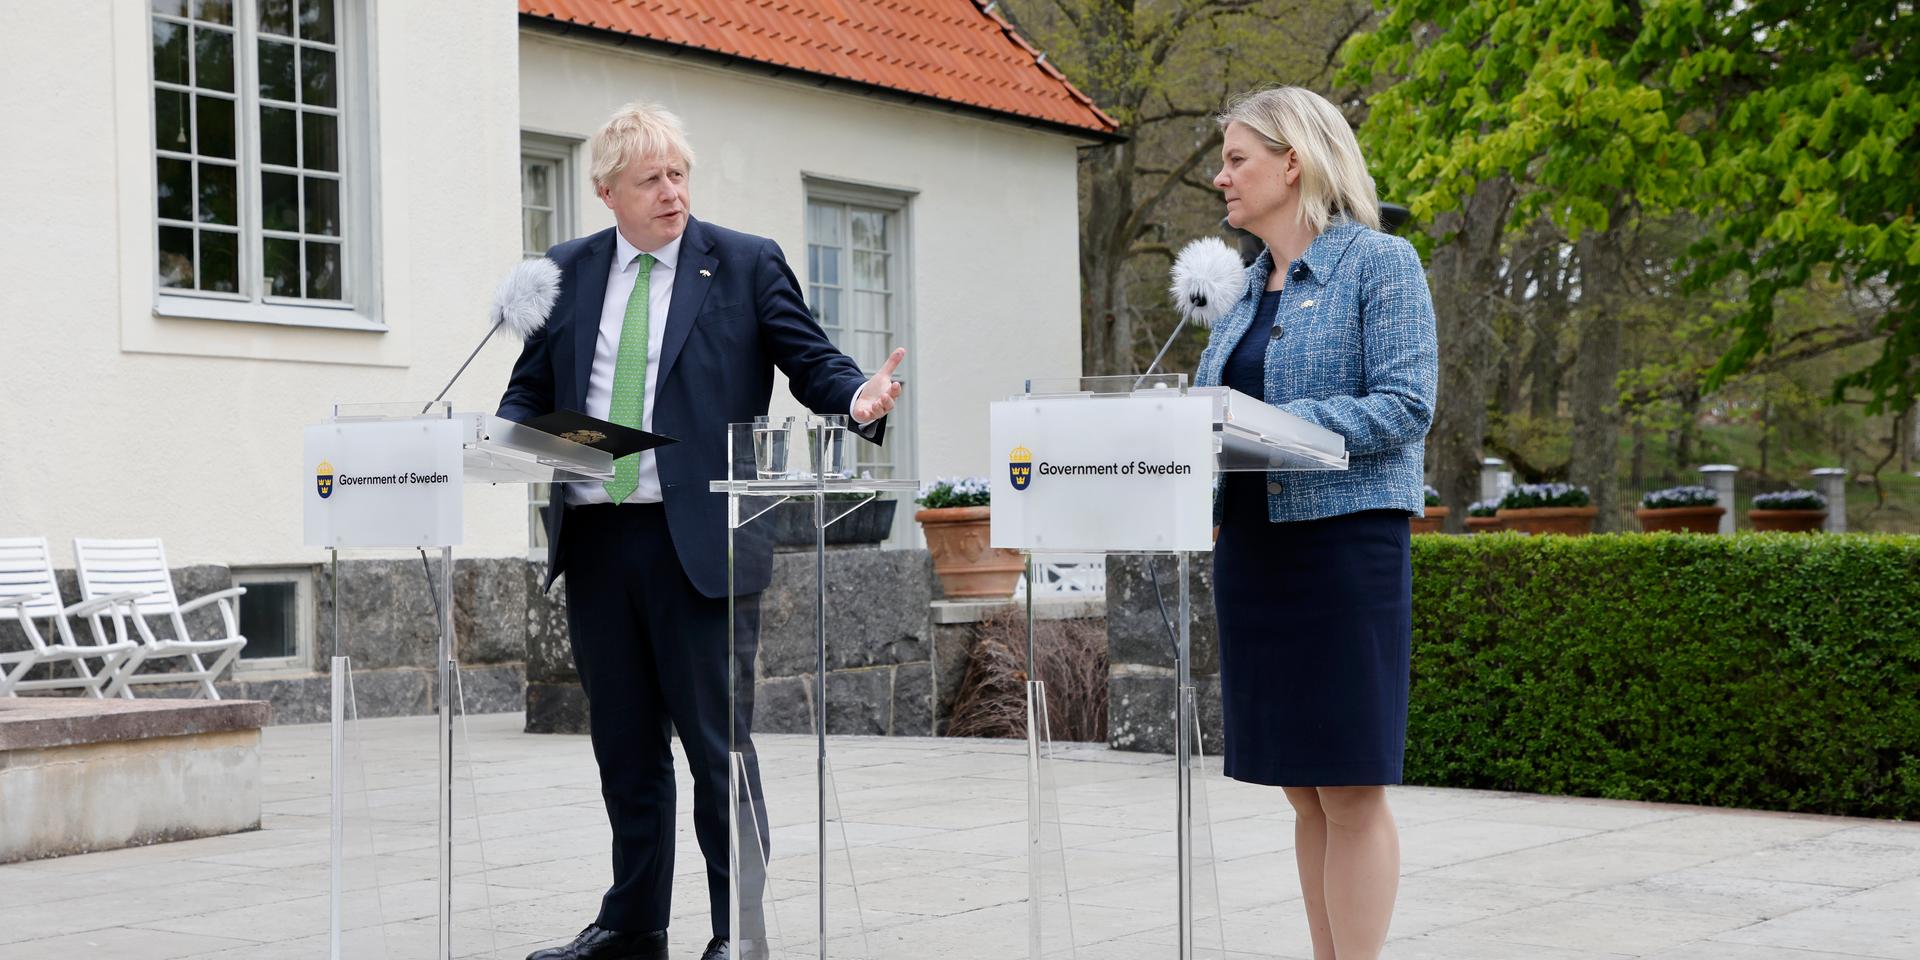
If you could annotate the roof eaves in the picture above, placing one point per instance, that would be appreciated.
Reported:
(608, 33)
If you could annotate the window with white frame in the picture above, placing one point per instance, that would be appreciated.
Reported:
(546, 192)
(857, 267)
(546, 218)
(276, 616)
(260, 162)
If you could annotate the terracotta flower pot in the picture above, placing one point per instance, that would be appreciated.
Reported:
(1787, 521)
(1482, 524)
(1435, 519)
(967, 567)
(1571, 521)
(1680, 519)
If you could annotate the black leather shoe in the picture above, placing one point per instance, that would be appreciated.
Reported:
(598, 943)
(718, 949)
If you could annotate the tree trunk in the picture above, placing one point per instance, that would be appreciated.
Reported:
(1638, 480)
(1595, 391)
(1766, 434)
(1543, 360)
(1465, 278)
(1107, 327)
(1909, 438)
(1510, 392)
(1689, 428)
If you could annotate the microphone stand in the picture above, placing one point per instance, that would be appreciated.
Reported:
(1175, 335)
(463, 367)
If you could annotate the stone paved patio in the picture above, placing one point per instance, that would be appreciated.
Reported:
(938, 832)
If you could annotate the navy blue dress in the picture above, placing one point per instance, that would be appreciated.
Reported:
(1316, 626)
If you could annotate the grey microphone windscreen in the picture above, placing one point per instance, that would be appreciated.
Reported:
(526, 297)
(1208, 278)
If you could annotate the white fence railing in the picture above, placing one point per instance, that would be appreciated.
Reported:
(1068, 575)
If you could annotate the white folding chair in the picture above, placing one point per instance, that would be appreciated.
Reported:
(109, 567)
(28, 593)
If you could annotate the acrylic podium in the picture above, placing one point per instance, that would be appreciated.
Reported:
(390, 475)
(1128, 465)
(807, 459)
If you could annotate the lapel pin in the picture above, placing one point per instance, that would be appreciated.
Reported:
(1303, 304)
(706, 273)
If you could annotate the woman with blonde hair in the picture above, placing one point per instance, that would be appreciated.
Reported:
(1313, 581)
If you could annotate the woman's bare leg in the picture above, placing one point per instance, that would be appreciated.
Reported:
(1362, 869)
(1310, 852)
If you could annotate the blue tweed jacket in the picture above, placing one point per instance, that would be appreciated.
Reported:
(1356, 353)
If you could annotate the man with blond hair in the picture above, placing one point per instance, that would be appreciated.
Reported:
(668, 324)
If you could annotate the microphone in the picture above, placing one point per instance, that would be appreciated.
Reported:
(1207, 279)
(521, 304)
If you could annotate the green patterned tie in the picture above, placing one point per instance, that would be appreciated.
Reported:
(630, 381)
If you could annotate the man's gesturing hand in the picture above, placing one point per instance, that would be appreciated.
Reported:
(878, 395)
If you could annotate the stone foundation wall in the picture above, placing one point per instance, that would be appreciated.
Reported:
(895, 658)
(388, 626)
(879, 644)
(1140, 687)
(880, 670)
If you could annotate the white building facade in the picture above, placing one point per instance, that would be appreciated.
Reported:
(227, 215)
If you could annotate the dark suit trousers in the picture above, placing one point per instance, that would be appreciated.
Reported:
(652, 656)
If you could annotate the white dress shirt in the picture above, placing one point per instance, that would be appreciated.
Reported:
(606, 351)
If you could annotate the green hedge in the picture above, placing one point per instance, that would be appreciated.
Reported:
(1773, 671)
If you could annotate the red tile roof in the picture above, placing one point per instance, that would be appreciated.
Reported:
(951, 50)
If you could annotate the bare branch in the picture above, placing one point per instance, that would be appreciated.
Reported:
(1808, 344)
(1175, 114)
(1066, 10)
(1138, 218)
(1333, 49)
(1160, 43)
(1206, 188)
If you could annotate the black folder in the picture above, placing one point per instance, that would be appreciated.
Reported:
(598, 434)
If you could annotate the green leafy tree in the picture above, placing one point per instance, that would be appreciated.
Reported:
(1550, 94)
(1789, 129)
(1540, 103)
(1809, 116)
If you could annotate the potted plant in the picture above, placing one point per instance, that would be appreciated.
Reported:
(1548, 508)
(1436, 517)
(954, 515)
(1689, 509)
(1481, 516)
(1788, 511)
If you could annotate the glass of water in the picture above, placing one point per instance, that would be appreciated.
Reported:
(836, 453)
(772, 442)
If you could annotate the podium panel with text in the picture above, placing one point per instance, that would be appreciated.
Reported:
(391, 475)
(1129, 465)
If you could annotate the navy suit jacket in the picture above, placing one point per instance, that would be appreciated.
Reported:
(737, 314)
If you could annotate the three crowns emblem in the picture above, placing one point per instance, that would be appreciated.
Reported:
(1020, 467)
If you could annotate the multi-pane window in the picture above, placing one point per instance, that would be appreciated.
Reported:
(540, 204)
(253, 178)
(855, 271)
(299, 114)
(848, 276)
(546, 218)
(196, 145)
